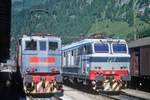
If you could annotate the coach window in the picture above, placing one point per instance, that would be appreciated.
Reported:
(53, 45)
(31, 45)
(77, 57)
(64, 54)
(80, 50)
(72, 57)
(64, 59)
(72, 53)
(42, 45)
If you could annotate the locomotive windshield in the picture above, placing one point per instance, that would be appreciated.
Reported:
(53, 45)
(31, 45)
(101, 48)
(42, 45)
(119, 48)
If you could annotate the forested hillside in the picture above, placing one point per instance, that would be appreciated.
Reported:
(72, 19)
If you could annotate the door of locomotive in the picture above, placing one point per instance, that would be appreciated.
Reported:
(86, 51)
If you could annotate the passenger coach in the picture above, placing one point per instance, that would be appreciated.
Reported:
(103, 64)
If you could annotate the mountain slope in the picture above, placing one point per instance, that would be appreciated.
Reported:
(72, 19)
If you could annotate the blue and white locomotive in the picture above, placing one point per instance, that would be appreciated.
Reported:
(102, 64)
(39, 61)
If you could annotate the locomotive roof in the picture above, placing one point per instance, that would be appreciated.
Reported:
(140, 42)
(25, 37)
(90, 41)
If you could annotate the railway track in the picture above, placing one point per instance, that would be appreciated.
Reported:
(109, 95)
(122, 96)
(85, 91)
(76, 94)
(125, 96)
(42, 98)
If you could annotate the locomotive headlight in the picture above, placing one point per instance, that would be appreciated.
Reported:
(93, 82)
(125, 67)
(96, 67)
(99, 67)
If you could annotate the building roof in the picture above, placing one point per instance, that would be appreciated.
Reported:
(140, 42)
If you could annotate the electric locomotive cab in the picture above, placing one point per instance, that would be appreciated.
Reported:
(109, 62)
(40, 61)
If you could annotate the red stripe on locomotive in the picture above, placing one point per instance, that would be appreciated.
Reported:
(51, 60)
(38, 60)
(115, 73)
(34, 60)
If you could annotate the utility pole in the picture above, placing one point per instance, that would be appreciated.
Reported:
(134, 18)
